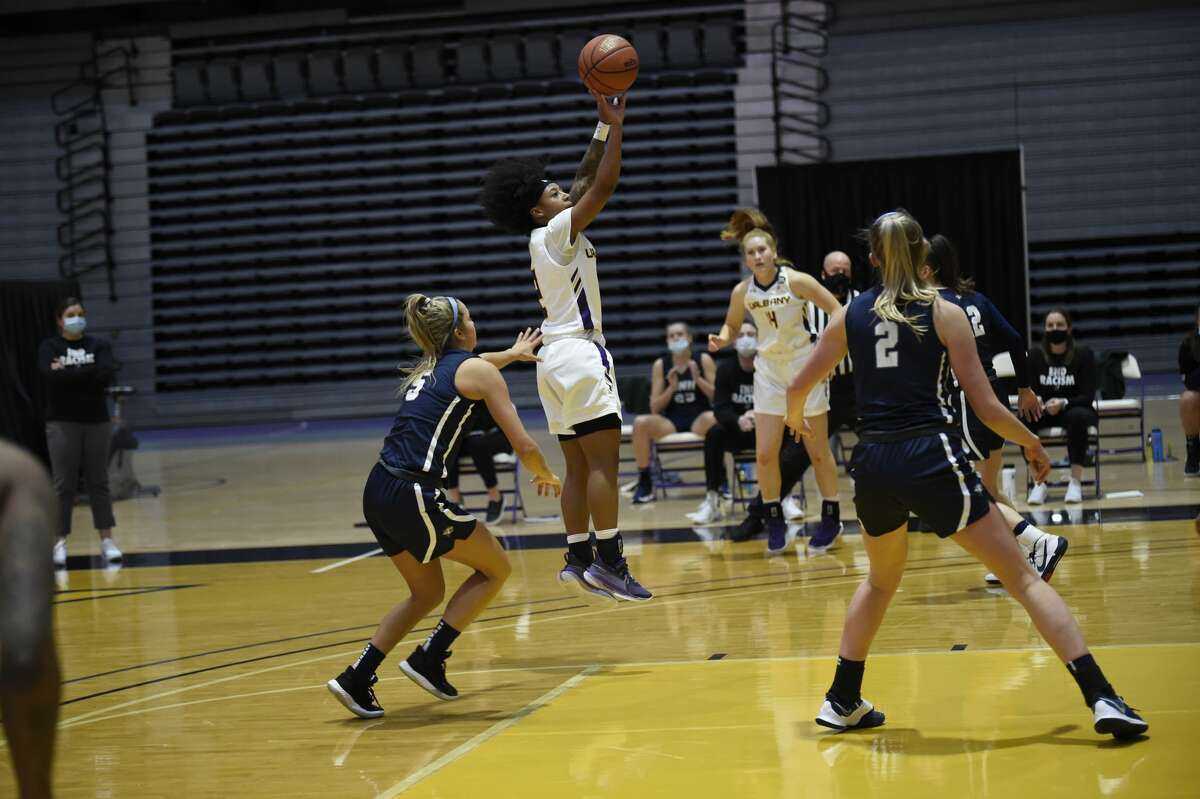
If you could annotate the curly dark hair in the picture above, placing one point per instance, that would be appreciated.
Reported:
(510, 188)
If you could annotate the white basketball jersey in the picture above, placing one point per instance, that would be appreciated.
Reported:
(565, 278)
(782, 318)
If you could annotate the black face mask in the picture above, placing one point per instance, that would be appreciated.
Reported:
(1058, 336)
(837, 283)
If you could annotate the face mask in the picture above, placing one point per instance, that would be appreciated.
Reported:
(837, 283)
(1057, 336)
(74, 325)
(746, 345)
(679, 345)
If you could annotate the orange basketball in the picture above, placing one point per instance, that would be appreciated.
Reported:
(608, 65)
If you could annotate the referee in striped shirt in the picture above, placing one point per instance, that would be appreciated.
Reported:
(835, 276)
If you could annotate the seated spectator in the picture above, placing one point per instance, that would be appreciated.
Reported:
(484, 441)
(1189, 403)
(681, 388)
(835, 276)
(1064, 376)
(733, 405)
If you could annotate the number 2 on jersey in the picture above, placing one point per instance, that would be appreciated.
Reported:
(888, 334)
(976, 320)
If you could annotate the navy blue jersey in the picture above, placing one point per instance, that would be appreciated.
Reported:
(993, 333)
(431, 419)
(899, 378)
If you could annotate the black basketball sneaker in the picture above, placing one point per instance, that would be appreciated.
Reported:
(857, 717)
(356, 695)
(429, 672)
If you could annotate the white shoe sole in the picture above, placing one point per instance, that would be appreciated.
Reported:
(412, 674)
(348, 702)
(828, 717)
(1110, 721)
(587, 592)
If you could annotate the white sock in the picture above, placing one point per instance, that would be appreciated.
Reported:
(714, 497)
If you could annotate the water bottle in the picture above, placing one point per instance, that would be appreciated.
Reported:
(1156, 445)
(1008, 482)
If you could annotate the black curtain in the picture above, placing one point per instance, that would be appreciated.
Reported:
(27, 310)
(974, 199)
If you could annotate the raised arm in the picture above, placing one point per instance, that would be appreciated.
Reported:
(806, 287)
(477, 379)
(954, 331)
(830, 350)
(592, 197)
(733, 318)
(521, 350)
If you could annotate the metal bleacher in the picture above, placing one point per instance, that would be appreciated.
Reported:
(297, 195)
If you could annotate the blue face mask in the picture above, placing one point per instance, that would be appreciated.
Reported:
(74, 325)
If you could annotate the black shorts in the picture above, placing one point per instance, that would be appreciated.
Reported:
(683, 418)
(928, 476)
(410, 517)
(980, 440)
(609, 421)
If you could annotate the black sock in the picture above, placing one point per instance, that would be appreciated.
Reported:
(367, 662)
(847, 682)
(1020, 528)
(440, 639)
(582, 550)
(772, 511)
(1090, 679)
(831, 508)
(609, 549)
(1193, 441)
(644, 477)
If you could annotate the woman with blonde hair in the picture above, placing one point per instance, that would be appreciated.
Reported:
(902, 337)
(408, 511)
(777, 297)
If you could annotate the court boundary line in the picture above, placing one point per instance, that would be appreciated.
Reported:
(348, 561)
(491, 732)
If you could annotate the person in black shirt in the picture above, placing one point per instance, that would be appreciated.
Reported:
(733, 406)
(1064, 376)
(29, 674)
(482, 444)
(910, 459)
(681, 390)
(1189, 403)
(78, 369)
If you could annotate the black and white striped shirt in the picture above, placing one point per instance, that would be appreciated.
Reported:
(820, 320)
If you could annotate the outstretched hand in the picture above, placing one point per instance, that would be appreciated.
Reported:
(798, 425)
(1038, 460)
(716, 343)
(528, 341)
(549, 486)
(610, 109)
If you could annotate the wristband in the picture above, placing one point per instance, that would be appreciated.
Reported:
(601, 133)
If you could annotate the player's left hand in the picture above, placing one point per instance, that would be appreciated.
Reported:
(1038, 460)
(549, 486)
(528, 341)
(1029, 405)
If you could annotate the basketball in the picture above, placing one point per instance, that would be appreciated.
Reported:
(608, 64)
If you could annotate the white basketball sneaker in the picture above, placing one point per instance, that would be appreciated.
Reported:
(792, 509)
(709, 510)
(1037, 494)
(1074, 491)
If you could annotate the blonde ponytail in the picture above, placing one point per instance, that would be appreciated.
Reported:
(430, 322)
(899, 244)
(747, 222)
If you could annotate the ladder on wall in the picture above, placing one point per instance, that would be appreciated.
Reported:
(799, 40)
(84, 168)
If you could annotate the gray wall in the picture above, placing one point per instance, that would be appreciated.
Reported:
(1105, 107)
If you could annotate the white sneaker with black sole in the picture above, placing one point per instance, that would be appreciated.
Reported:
(1114, 717)
(1047, 551)
(860, 717)
(109, 551)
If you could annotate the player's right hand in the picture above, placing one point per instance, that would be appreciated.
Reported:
(715, 342)
(610, 109)
(1038, 461)
(548, 485)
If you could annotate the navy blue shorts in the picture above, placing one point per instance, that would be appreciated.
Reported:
(410, 517)
(683, 418)
(928, 476)
(980, 440)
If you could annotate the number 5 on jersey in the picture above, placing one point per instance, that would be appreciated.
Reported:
(888, 334)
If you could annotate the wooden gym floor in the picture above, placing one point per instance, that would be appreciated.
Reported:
(199, 668)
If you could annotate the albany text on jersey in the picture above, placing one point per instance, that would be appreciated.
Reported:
(781, 317)
(564, 275)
